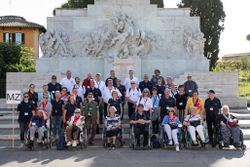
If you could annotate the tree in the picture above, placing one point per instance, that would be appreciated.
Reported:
(248, 37)
(212, 17)
(84, 3)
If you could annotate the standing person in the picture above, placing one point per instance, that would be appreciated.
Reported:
(146, 101)
(190, 86)
(173, 90)
(56, 115)
(54, 86)
(122, 89)
(107, 94)
(132, 95)
(45, 92)
(130, 78)
(181, 102)
(197, 102)
(113, 77)
(212, 109)
(154, 118)
(69, 109)
(156, 77)
(116, 102)
(79, 100)
(68, 81)
(99, 83)
(91, 113)
(146, 84)
(33, 96)
(64, 95)
(160, 88)
(169, 82)
(165, 104)
(80, 89)
(25, 110)
(45, 105)
(86, 81)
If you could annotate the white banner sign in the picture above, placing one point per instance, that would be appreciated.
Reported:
(13, 96)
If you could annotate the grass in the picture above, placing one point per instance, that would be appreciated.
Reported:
(244, 89)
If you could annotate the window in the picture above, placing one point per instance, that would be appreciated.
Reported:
(17, 38)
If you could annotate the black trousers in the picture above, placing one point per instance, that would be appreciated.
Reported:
(141, 131)
(105, 113)
(211, 124)
(24, 126)
(131, 109)
(155, 125)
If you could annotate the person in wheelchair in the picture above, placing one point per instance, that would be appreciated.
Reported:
(74, 127)
(113, 126)
(171, 123)
(193, 124)
(229, 128)
(37, 125)
(141, 122)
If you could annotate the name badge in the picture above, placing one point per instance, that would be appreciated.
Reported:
(167, 108)
(211, 109)
(160, 95)
(189, 90)
(180, 103)
(26, 114)
(33, 124)
(155, 106)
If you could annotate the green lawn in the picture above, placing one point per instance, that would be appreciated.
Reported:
(244, 89)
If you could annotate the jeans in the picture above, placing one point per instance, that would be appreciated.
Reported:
(57, 123)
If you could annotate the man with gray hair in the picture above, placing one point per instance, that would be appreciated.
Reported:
(68, 82)
(130, 78)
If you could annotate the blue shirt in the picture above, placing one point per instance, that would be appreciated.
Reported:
(155, 104)
(166, 120)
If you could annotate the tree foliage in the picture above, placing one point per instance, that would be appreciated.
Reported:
(212, 17)
(15, 58)
(159, 3)
(248, 37)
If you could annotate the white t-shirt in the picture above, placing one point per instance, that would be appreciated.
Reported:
(107, 93)
(68, 83)
(133, 95)
(128, 80)
(80, 90)
(146, 102)
(100, 85)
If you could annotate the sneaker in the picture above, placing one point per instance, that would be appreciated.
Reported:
(195, 143)
(113, 146)
(226, 145)
(108, 145)
(74, 143)
(170, 142)
(177, 148)
(69, 143)
(21, 145)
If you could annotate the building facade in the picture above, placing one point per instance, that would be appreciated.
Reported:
(15, 29)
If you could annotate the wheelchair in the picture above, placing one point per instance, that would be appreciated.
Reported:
(46, 140)
(164, 137)
(133, 141)
(219, 139)
(119, 139)
(82, 139)
(187, 140)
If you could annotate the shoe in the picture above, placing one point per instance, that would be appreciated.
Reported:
(108, 145)
(91, 143)
(21, 145)
(113, 146)
(226, 145)
(195, 143)
(74, 143)
(40, 144)
(177, 148)
(69, 143)
(236, 145)
(170, 142)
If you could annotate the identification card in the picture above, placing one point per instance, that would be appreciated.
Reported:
(211, 109)
(26, 114)
(33, 124)
(181, 104)
(167, 108)
(189, 90)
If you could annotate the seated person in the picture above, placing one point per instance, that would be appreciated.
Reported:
(113, 126)
(37, 124)
(193, 123)
(171, 123)
(75, 125)
(141, 123)
(229, 127)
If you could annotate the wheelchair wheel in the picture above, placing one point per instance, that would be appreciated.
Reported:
(243, 147)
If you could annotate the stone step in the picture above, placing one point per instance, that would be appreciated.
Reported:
(246, 133)
(244, 124)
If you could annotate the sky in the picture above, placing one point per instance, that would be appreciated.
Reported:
(233, 39)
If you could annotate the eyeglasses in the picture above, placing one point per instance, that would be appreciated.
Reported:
(64, 90)
(132, 83)
(45, 97)
(26, 96)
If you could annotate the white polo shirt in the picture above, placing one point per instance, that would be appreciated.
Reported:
(100, 85)
(128, 80)
(146, 102)
(68, 83)
(107, 94)
(133, 95)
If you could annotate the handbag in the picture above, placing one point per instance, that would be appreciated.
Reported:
(195, 123)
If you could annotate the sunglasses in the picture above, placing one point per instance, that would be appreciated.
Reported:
(26, 96)
(132, 83)
(45, 97)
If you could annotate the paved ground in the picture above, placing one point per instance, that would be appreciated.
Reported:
(125, 157)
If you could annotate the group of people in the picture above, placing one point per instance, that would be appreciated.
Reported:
(71, 106)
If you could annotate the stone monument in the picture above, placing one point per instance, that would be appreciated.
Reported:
(122, 35)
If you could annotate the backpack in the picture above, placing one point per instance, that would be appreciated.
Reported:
(155, 141)
(60, 143)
